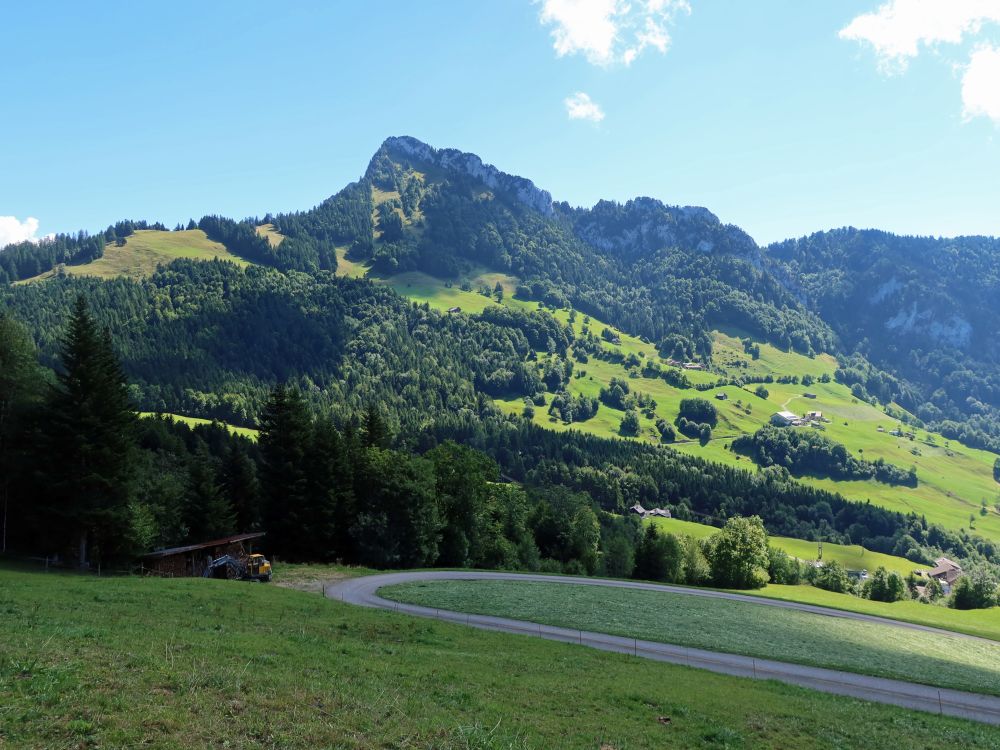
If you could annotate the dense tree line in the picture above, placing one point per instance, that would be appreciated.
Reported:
(809, 452)
(25, 260)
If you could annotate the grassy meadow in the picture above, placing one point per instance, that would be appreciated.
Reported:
(852, 557)
(724, 625)
(129, 662)
(144, 251)
(247, 432)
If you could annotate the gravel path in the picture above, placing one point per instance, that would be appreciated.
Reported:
(363, 591)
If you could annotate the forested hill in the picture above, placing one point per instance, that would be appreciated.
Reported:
(666, 273)
(913, 319)
(926, 309)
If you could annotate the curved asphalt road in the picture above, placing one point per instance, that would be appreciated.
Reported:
(363, 591)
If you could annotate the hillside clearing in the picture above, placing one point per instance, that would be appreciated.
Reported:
(247, 432)
(144, 251)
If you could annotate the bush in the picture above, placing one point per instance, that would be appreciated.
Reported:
(885, 586)
(698, 410)
(738, 554)
(832, 577)
(782, 568)
(977, 589)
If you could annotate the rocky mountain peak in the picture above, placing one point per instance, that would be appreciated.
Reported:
(470, 165)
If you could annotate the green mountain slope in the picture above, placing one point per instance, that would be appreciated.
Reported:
(590, 300)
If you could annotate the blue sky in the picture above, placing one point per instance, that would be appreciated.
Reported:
(781, 116)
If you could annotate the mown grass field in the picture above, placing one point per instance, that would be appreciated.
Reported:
(89, 662)
(247, 432)
(984, 623)
(724, 625)
(853, 557)
(144, 251)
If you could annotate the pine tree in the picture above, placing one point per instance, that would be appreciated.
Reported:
(329, 510)
(240, 484)
(285, 437)
(376, 431)
(209, 514)
(19, 389)
(89, 440)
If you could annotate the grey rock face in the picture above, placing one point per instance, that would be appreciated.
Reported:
(471, 165)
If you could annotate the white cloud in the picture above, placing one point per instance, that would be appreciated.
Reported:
(981, 84)
(12, 230)
(610, 31)
(899, 28)
(581, 107)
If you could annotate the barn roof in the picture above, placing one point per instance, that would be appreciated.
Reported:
(203, 545)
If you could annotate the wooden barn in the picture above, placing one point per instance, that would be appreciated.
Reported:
(191, 560)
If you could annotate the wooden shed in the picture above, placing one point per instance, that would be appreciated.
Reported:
(191, 560)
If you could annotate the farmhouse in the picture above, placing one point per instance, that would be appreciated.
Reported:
(653, 513)
(454, 309)
(946, 572)
(694, 366)
(178, 562)
(814, 416)
(722, 396)
(807, 394)
(785, 419)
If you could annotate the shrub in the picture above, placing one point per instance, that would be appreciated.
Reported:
(885, 586)
(833, 577)
(698, 410)
(782, 568)
(977, 589)
(738, 554)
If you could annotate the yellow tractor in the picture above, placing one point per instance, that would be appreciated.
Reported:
(258, 568)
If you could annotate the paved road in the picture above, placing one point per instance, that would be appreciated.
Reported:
(363, 591)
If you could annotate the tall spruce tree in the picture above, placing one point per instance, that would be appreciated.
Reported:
(239, 482)
(209, 514)
(376, 430)
(285, 439)
(20, 378)
(327, 507)
(89, 439)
